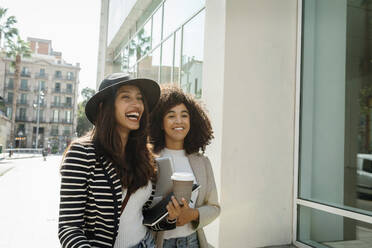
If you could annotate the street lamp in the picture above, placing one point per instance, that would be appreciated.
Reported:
(40, 97)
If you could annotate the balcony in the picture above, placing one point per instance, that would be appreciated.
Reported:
(66, 121)
(25, 74)
(58, 76)
(24, 88)
(56, 105)
(70, 78)
(21, 118)
(41, 119)
(66, 133)
(22, 102)
(42, 104)
(66, 105)
(45, 89)
(9, 101)
(67, 91)
(56, 90)
(41, 75)
(54, 133)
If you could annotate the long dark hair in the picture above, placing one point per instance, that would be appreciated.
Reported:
(135, 165)
(200, 133)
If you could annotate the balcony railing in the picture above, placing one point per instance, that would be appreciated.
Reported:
(70, 78)
(56, 90)
(45, 89)
(22, 102)
(41, 75)
(67, 91)
(25, 74)
(21, 118)
(8, 72)
(65, 121)
(24, 88)
(42, 104)
(66, 133)
(58, 76)
(56, 105)
(41, 119)
(54, 133)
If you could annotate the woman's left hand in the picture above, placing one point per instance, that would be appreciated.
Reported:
(187, 214)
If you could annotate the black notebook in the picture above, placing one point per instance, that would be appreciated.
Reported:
(153, 215)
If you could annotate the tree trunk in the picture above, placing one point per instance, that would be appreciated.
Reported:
(17, 79)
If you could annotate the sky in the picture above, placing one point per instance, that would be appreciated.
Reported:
(71, 25)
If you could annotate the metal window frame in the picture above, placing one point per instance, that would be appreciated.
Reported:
(296, 200)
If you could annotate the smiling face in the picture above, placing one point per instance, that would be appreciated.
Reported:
(129, 108)
(176, 124)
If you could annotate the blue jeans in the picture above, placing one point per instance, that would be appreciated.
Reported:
(190, 241)
(147, 242)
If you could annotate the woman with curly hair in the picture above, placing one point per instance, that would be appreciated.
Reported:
(181, 129)
(106, 177)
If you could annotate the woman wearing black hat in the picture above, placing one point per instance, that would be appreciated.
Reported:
(107, 176)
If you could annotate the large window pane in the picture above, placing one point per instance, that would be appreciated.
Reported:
(177, 12)
(167, 61)
(336, 104)
(156, 27)
(149, 66)
(177, 56)
(192, 55)
(321, 229)
(143, 44)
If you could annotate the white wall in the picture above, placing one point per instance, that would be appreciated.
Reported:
(249, 88)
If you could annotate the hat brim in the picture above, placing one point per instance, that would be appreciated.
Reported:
(149, 88)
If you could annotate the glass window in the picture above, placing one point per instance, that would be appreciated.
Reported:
(125, 59)
(149, 66)
(10, 83)
(70, 75)
(321, 229)
(68, 116)
(10, 97)
(57, 87)
(24, 84)
(42, 85)
(23, 98)
(9, 112)
(143, 41)
(58, 74)
(177, 12)
(192, 55)
(22, 113)
(68, 101)
(177, 56)
(69, 88)
(55, 115)
(42, 72)
(336, 108)
(156, 27)
(167, 61)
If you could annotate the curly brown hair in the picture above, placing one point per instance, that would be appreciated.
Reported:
(200, 134)
(135, 166)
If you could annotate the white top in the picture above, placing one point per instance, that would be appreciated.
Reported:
(180, 164)
(131, 230)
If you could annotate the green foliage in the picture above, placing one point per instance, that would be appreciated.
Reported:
(18, 48)
(83, 124)
(7, 29)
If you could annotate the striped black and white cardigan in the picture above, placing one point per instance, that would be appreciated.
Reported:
(91, 199)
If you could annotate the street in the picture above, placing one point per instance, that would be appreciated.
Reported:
(29, 198)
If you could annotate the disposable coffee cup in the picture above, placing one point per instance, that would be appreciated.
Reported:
(182, 185)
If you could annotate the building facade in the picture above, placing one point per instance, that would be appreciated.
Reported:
(289, 91)
(47, 97)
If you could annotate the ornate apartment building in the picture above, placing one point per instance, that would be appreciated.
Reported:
(47, 97)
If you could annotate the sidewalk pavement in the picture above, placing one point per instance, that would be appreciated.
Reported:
(5, 160)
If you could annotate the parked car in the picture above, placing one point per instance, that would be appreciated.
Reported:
(364, 175)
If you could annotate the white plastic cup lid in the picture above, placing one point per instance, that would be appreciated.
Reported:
(182, 176)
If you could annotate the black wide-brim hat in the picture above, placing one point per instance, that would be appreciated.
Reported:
(149, 89)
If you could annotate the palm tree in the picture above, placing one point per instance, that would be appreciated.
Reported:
(7, 28)
(16, 50)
